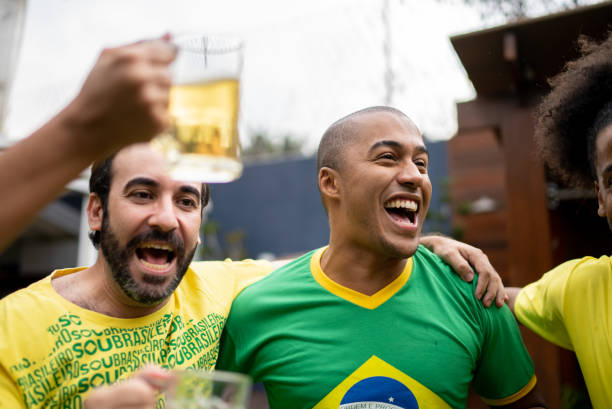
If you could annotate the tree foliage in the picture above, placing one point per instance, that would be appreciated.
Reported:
(517, 9)
(262, 146)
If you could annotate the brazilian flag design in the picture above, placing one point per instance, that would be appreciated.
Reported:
(379, 385)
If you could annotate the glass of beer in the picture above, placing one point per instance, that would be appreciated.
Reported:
(197, 389)
(202, 143)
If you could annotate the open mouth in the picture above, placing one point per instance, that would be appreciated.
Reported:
(402, 210)
(156, 256)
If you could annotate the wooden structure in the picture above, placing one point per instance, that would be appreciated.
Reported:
(503, 200)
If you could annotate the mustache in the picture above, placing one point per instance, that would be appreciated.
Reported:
(169, 237)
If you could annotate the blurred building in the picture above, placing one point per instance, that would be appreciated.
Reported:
(503, 200)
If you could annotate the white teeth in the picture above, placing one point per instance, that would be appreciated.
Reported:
(411, 205)
(152, 266)
(157, 246)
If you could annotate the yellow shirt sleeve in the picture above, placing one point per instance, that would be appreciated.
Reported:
(233, 275)
(540, 305)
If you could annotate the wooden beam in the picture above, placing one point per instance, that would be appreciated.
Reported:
(529, 243)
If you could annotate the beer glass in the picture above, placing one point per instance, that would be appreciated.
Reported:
(202, 142)
(196, 389)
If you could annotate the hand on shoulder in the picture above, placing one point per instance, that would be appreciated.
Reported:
(465, 260)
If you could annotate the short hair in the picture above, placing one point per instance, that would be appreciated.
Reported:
(100, 181)
(339, 135)
(571, 116)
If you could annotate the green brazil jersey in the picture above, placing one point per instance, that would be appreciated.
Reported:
(418, 342)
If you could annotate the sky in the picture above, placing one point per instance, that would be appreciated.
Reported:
(307, 63)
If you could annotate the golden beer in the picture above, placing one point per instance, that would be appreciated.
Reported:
(202, 143)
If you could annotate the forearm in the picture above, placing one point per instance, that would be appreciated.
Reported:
(512, 293)
(123, 100)
(34, 172)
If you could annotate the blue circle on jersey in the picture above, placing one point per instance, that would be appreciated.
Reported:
(383, 390)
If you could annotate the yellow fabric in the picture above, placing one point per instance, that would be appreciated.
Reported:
(52, 352)
(366, 301)
(571, 306)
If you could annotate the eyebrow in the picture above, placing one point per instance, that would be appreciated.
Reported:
(142, 181)
(190, 190)
(607, 169)
(397, 145)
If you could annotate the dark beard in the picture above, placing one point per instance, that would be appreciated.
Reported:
(117, 259)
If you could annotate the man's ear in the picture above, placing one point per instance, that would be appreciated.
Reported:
(94, 212)
(329, 182)
(601, 210)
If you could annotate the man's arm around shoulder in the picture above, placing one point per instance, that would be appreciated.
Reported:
(512, 293)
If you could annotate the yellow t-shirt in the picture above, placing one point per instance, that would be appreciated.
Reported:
(571, 306)
(52, 352)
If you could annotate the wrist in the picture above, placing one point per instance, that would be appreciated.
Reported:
(76, 131)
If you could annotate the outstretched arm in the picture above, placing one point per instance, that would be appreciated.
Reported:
(466, 259)
(123, 100)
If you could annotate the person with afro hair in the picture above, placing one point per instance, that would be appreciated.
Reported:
(571, 306)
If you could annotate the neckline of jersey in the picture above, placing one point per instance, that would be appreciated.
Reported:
(98, 317)
(369, 302)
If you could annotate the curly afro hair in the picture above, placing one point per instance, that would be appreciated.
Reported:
(572, 114)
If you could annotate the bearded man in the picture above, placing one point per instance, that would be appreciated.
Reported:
(141, 302)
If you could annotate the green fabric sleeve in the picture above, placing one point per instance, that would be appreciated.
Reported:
(227, 353)
(505, 372)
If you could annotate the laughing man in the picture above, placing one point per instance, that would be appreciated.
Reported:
(373, 318)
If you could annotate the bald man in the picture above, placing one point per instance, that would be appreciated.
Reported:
(373, 317)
